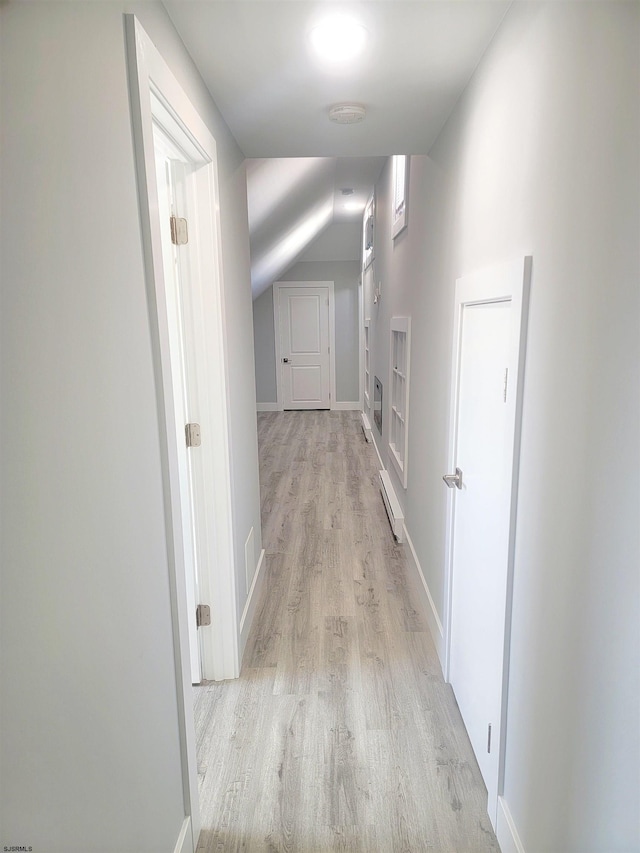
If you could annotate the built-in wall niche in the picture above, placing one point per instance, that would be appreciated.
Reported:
(367, 366)
(399, 351)
(377, 403)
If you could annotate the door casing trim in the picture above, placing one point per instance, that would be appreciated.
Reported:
(156, 95)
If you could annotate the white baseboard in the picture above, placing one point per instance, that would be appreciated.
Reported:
(252, 602)
(185, 844)
(433, 620)
(395, 513)
(337, 406)
(506, 831)
(346, 407)
(366, 427)
(375, 447)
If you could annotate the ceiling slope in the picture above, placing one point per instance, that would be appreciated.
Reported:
(291, 201)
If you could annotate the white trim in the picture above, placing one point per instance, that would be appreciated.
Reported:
(332, 343)
(366, 427)
(175, 194)
(506, 831)
(145, 64)
(401, 325)
(365, 349)
(504, 282)
(395, 512)
(153, 86)
(360, 338)
(185, 843)
(433, 620)
(267, 407)
(252, 602)
(277, 286)
(399, 222)
(341, 406)
(369, 213)
(377, 449)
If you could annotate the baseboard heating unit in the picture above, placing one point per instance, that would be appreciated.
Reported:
(392, 506)
(366, 426)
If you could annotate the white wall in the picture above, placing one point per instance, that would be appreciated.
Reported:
(345, 275)
(541, 157)
(90, 741)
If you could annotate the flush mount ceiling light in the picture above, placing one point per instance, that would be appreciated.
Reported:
(338, 39)
(347, 113)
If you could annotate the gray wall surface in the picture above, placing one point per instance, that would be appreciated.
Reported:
(540, 157)
(340, 241)
(90, 737)
(345, 275)
(264, 347)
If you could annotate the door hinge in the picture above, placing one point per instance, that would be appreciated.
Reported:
(489, 738)
(179, 231)
(203, 615)
(506, 379)
(192, 434)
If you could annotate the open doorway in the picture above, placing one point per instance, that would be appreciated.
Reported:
(177, 176)
(172, 171)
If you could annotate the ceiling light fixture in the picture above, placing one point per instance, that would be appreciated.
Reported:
(338, 39)
(347, 113)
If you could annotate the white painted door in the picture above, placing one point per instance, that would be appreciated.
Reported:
(171, 174)
(487, 346)
(479, 573)
(304, 347)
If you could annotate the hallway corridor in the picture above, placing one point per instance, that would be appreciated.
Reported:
(340, 734)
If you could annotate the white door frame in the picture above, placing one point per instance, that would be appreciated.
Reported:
(361, 324)
(174, 196)
(282, 285)
(507, 282)
(156, 96)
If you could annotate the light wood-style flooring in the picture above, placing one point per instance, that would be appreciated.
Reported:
(340, 734)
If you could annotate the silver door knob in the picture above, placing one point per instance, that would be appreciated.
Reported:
(454, 479)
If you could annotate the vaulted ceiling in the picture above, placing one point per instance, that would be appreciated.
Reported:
(274, 93)
(294, 200)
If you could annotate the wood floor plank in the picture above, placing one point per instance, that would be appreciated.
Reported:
(340, 734)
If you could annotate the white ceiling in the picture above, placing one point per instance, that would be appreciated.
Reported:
(275, 96)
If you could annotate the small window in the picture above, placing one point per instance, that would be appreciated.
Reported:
(399, 394)
(399, 211)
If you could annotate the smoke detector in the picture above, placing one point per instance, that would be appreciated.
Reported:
(347, 113)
